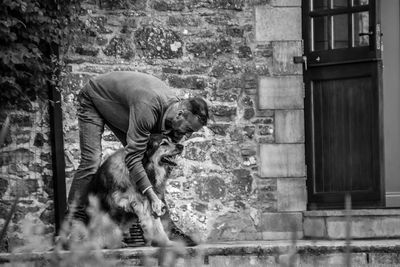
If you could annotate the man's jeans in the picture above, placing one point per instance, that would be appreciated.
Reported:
(91, 128)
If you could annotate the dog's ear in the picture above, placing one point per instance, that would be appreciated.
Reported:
(153, 144)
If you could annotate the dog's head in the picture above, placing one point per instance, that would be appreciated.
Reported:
(162, 151)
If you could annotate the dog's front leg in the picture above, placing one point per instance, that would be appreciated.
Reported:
(160, 236)
(153, 230)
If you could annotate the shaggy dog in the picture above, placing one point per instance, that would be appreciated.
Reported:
(120, 198)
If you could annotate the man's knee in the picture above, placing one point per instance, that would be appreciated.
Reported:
(88, 167)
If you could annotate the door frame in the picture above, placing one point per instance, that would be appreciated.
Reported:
(350, 63)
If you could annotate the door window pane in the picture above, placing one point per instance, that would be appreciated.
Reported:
(340, 31)
(361, 29)
(339, 3)
(360, 2)
(320, 33)
(319, 4)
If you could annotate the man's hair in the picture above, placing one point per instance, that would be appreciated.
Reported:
(198, 107)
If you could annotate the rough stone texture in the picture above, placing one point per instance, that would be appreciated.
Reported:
(119, 47)
(282, 160)
(159, 42)
(87, 51)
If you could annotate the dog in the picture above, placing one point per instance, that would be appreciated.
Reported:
(121, 199)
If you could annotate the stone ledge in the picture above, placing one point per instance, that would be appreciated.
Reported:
(237, 248)
(342, 213)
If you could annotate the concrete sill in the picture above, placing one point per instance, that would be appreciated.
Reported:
(342, 213)
(364, 224)
(240, 249)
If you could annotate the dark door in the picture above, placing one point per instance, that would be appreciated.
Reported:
(343, 102)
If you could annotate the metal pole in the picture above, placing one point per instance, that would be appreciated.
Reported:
(57, 150)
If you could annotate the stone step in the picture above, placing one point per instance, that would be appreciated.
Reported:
(240, 253)
(369, 223)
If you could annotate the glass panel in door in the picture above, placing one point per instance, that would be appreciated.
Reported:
(340, 31)
(360, 2)
(361, 30)
(319, 5)
(321, 33)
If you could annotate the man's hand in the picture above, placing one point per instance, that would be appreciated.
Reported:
(157, 205)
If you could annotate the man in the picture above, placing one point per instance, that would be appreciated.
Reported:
(133, 105)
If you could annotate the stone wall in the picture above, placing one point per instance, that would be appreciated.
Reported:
(26, 173)
(242, 177)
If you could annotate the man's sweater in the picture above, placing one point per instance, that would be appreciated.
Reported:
(135, 104)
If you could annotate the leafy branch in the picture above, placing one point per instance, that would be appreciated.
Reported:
(32, 32)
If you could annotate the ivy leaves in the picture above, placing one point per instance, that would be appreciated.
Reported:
(31, 32)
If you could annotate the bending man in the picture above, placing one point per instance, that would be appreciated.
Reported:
(133, 105)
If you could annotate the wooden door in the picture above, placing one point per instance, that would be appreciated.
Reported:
(343, 103)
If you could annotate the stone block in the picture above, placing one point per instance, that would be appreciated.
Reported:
(233, 226)
(314, 227)
(87, 50)
(291, 194)
(159, 42)
(289, 259)
(197, 260)
(281, 225)
(385, 258)
(277, 24)
(21, 120)
(265, 195)
(364, 227)
(333, 259)
(289, 126)
(169, 5)
(119, 47)
(3, 186)
(281, 92)
(287, 3)
(73, 82)
(209, 49)
(282, 57)
(252, 260)
(190, 82)
(282, 160)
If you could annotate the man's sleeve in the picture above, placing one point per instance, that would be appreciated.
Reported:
(142, 119)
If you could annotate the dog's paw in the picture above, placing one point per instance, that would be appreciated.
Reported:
(123, 245)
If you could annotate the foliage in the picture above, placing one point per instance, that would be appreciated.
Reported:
(31, 33)
(85, 243)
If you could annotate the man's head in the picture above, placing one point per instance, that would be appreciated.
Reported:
(186, 117)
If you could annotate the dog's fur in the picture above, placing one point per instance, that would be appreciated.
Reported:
(119, 196)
